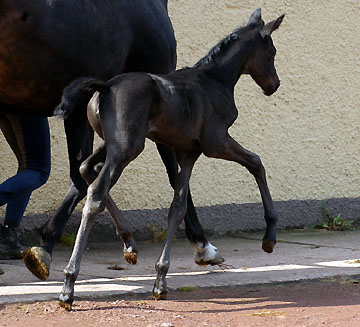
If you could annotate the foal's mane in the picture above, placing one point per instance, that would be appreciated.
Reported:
(222, 47)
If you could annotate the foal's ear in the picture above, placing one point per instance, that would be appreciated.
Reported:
(272, 26)
(255, 18)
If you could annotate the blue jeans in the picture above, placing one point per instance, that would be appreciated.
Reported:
(29, 139)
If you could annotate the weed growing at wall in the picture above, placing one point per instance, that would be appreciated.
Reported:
(338, 223)
(159, 234)
(67, 240)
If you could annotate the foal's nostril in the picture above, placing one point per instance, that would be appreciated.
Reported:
(271, 89)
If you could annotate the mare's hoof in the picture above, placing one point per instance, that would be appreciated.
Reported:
(131, 257)
(37, 260)
(268, 246)
(1, 272)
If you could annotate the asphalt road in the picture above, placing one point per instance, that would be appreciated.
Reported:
(298, 255)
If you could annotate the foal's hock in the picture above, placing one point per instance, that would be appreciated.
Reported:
(189, 110)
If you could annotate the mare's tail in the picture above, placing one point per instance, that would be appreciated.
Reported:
(80, 89)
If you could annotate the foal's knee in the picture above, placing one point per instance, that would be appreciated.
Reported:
(255, 165)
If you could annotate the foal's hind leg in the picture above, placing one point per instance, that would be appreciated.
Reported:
(205, 253)
(89, 170)
(72, 269)
(124, 142)
(176, 215)
(229, 149)
(95, 203)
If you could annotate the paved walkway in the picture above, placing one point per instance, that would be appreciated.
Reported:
(298, 255)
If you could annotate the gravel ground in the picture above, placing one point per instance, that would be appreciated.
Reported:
(323, 302)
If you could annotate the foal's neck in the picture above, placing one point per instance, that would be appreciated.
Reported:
(227, 61)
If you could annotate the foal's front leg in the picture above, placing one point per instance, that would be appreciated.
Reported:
(231, 150)
(175, 217)
(205, 253)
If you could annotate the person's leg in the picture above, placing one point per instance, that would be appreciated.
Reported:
(29, 139)
(15, 210)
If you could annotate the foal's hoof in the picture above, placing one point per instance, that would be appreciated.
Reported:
(209, 256)
(159, 295)
(130, 257)
(218, 259)
(66, 301)
(37, 260)
(268, 246)
(66, 305)
(1, 272)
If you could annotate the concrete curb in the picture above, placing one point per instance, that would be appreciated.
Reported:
(298, 255)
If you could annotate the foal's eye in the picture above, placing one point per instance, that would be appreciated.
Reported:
(271, 52)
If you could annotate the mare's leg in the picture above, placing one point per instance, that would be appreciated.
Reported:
(205, 253)
(89, 170)
(177, 212)
(79, 136)
(229, 149)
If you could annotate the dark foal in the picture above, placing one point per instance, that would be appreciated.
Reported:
(46, 44)
(189, 110)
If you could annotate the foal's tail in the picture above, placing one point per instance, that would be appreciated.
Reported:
(80, 89)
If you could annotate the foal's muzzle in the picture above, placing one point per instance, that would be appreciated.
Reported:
(270, 89)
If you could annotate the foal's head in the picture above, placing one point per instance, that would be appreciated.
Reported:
(260, 65)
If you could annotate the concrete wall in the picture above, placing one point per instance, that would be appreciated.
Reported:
(307, 133)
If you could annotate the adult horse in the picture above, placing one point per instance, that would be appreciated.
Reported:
(44, 44)
(189, 110)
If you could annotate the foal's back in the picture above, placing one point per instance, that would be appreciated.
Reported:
(185, 109)
(188, 107)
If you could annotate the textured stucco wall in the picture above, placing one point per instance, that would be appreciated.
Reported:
(307, 133)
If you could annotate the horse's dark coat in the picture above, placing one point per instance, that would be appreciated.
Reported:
(44, 44)
(189, 110)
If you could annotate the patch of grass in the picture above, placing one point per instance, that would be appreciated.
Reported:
(67, 240)
(338, 223)
(159, 234)
(186, 289)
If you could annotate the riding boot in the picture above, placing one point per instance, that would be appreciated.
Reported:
(10, 248)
